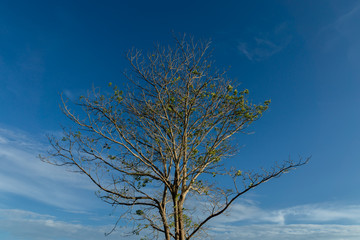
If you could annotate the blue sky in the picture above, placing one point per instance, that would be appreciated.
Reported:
(304, 55)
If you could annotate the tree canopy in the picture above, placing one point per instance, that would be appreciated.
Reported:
(161, 146)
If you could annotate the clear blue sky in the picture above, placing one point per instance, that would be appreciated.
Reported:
(304, 55)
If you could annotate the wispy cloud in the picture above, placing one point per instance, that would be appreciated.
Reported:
(259, 49)
(343, 26)
(22, 77)
(28, 225)
(293, 231)
(36, 226)
(312, 213)
(264, 45)
(23, 174)
(74, 94)
(348, 16)
(246, 220)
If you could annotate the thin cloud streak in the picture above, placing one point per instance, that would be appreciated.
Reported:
(314, 221)
(260, 49)
(292, 231)
(348, 15)
(312, 213)
(343, 26)
(22, 173)
(36, 226)
(263, 46)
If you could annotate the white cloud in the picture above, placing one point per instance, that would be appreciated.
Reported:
(292, 231)
(22, 173)
(324, 213)
(36, 226)
(246, 220)
(312, 213)
(28, 225)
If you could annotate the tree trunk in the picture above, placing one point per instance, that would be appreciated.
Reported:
(176, 218)
(181, 220)
(165, 223)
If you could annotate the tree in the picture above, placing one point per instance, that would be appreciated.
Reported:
(164, 144)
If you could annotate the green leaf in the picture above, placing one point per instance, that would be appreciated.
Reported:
(139, 212)
(267, 102)
(196, 72)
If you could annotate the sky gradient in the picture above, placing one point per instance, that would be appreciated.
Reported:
(303, 55)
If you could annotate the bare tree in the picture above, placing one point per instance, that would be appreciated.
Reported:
(163, 145)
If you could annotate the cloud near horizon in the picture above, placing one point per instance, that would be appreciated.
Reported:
(23, 174)
(322, 221)
(259, 224)
(36, 226)
(319, 213)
